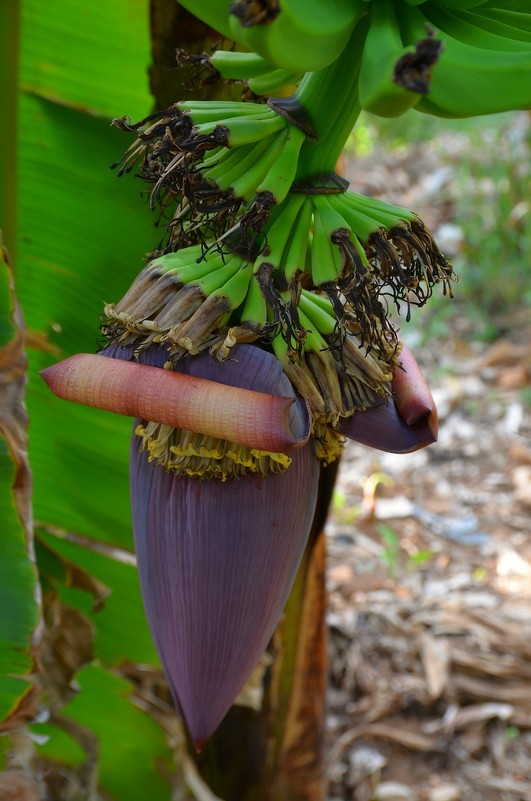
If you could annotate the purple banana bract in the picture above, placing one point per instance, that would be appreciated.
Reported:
(217, 559)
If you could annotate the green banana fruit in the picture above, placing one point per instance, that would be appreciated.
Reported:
(212, 281)
(279, 233)
(233, 164)
(223, 294)
(325, 257)
(242, 130)
(469, 28)
(392, 77)
(202, 111)
(319, 311)
(166, 294)
(274, 82)
(254, 308)
(303, 36)
(281, 174)
(246, 185)
(235, 65)
(262, 78)
(299, 242)
(511, 25)
(469, 80)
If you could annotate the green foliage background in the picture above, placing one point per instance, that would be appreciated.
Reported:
(77, 239)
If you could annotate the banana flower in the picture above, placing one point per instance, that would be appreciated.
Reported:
(217, 558)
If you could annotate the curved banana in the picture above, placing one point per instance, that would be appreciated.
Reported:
(243, 129)
(281, 174)
(319, 312)
(201, 111)
(245, 186)
(299, 243)
(254, 308)
(301, 378)
(469, 80)
(510, 25)
(261, 156)
(165, 295)
(325, 257)
(233, 164)
(393, 78)
(322, 365)
(279, 233)
(358, 219)
(235, 65)
(274, 82)
(469, 28)
(303, 36)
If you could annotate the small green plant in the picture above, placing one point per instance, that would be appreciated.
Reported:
(419, 559)
(391, 551)
(512, 732)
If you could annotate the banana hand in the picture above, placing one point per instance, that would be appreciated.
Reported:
(393, 79)
(470, 80)
(303, 36)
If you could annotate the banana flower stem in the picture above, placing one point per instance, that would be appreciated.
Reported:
(330, 99)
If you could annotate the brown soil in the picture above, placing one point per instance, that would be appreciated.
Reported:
(429, 568)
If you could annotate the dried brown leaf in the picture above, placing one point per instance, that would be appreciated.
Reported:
(435, 658)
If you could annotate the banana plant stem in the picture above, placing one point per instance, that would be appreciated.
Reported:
(330, 98)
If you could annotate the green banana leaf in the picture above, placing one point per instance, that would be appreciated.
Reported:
(77, 236)
(19, 612)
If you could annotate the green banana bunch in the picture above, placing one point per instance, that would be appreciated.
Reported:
(297, 35)
(347, 246)
(205, 160)
(266, 167)
(480, 71)
(393, 78)
(313, 291)
(179, 299)
(277, 249)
